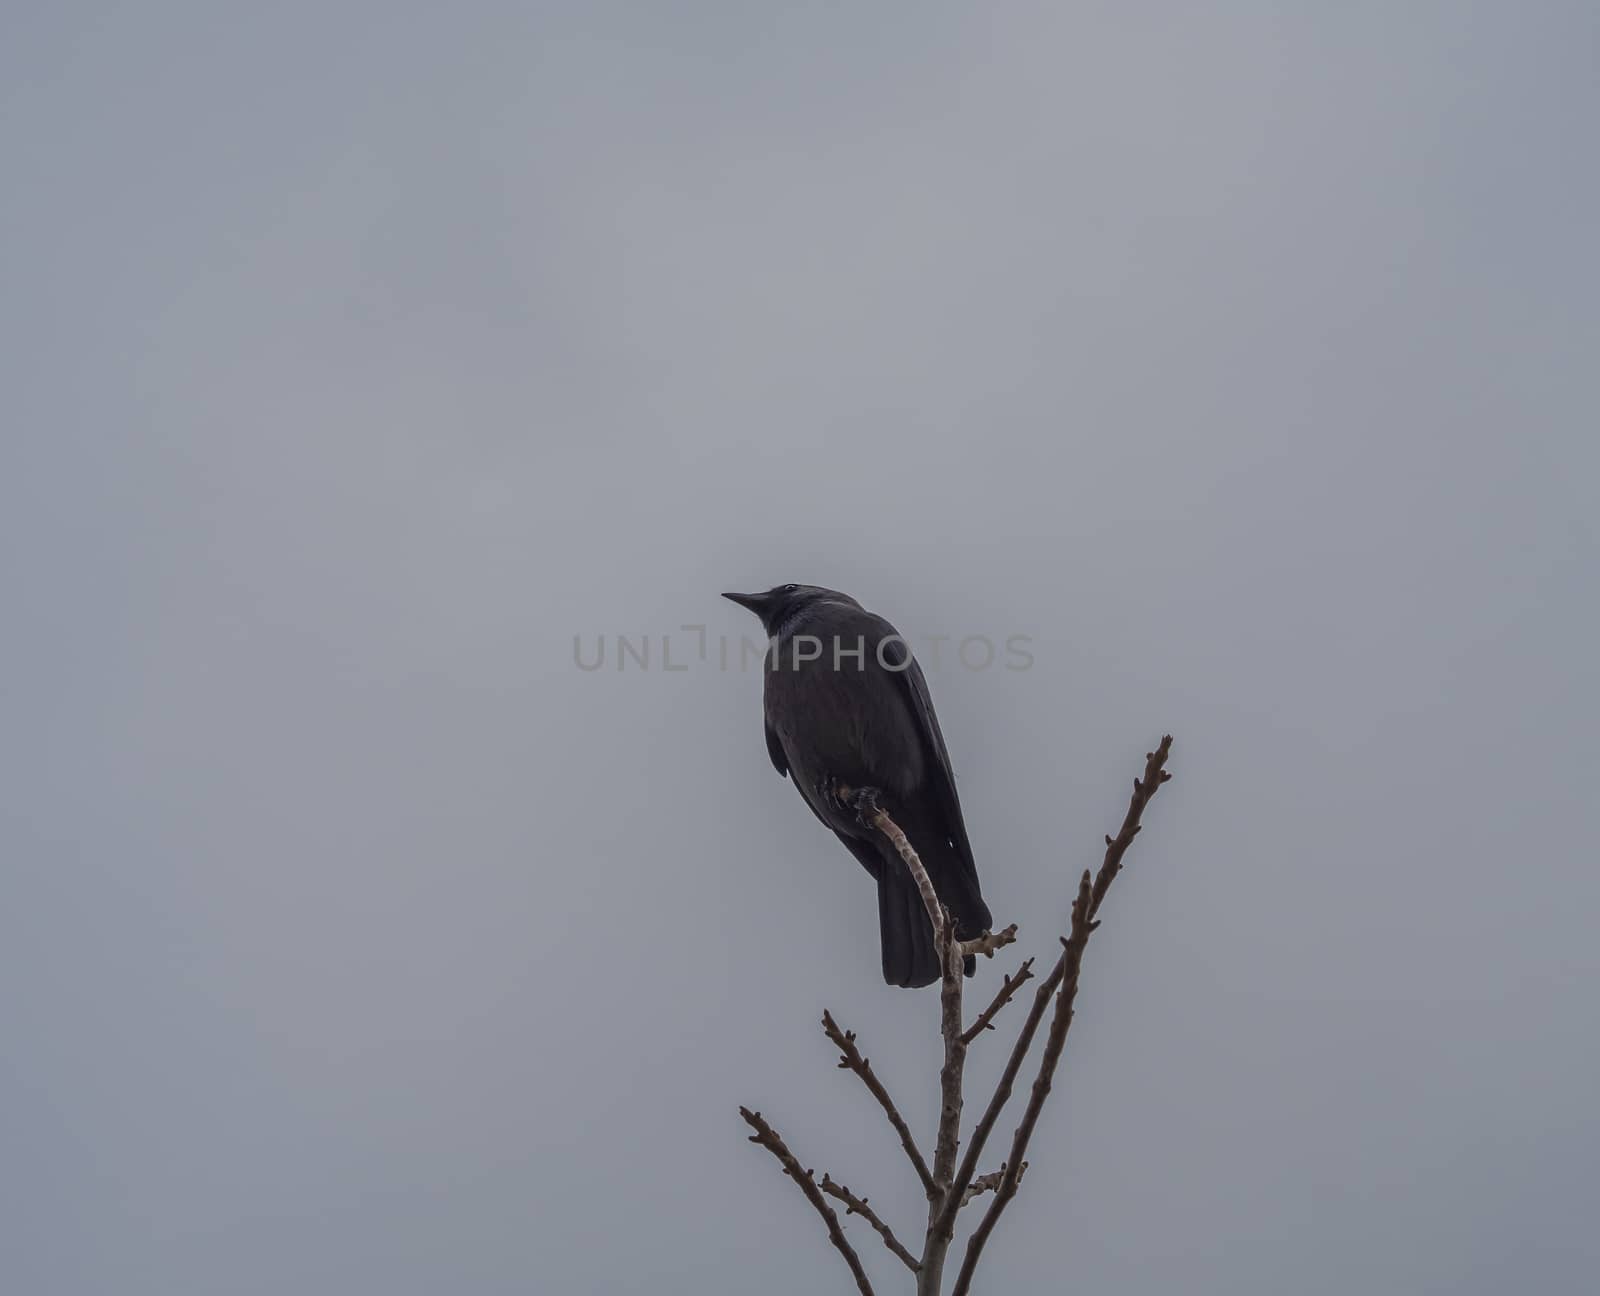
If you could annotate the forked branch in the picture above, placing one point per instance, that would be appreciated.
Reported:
(768, 1138)
(850, 1059)
(1084, 923)
(858, 1206)
(1008, 987)
(952, 1181)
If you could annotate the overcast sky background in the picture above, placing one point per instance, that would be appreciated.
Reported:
(359, 356)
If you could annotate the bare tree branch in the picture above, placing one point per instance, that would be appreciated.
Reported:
(1009, 987)
(936, 1242)
(1072, 957)
(875, 816)
(953, 1181)
(944, 1196)
(951, 954)
(768, 1138)
(989, 942)
(1001, 1094)
(1155, 775)
(850, 1059)
(989, 1182)
(955, 1058)
(858, 1206)
(1084, 922)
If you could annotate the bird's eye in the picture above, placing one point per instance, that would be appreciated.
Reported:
(790, 589)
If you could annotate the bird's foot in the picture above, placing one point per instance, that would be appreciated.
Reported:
(862, 800)
(865, 804)
(833, 793)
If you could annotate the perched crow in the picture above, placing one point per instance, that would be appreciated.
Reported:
(846, 706)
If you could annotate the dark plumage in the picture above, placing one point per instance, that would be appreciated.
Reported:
(868, 722)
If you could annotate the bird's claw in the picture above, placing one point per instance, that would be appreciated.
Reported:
(833, 793)
(862, 800)
(865, 804)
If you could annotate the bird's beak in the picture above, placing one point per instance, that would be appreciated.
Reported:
(757, 603)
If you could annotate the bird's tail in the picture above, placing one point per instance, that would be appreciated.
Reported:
(909, 956)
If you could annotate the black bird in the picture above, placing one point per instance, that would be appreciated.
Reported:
(846, 706)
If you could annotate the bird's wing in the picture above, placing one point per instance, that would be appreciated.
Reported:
(896, 654)
(867, 852)
(780, 762)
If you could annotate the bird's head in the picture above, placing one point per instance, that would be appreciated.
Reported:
(781, 602)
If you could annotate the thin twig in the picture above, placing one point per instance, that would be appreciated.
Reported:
(1090, 894)
(1008, 987)
(1005, 1190)
(989, 1182)
(874, 815)
(850, 1059)
(1155, 775)
(858, 1206)
(768, 1138)
(989, 942)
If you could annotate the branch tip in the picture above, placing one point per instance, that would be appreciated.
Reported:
(768, 1138)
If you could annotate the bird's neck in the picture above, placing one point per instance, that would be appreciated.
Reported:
(791, 621)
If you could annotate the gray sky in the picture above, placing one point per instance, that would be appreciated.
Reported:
(361, 355)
